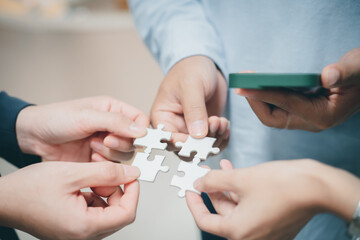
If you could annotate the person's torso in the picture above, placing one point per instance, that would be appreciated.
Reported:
(291, 37)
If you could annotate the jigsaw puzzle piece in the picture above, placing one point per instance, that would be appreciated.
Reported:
(202, 146)
(153, 138)
(149, 169)
(186, 183)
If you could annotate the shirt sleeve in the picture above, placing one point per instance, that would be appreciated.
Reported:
(174, 30)
(9, 147)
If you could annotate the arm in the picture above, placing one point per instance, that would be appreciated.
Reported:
(174, 30)
(285, 194)
(9, 148)
(190, 52)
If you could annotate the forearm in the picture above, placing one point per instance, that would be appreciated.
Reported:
(6, 217)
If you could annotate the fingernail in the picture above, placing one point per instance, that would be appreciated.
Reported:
(111, 142)
(137, 128)
(197, 184)
(96, 145)
(332, 75)
(198, 128)
(131, 171)
(212, 128)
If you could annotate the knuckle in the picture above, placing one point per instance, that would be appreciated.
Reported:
(195, 109)
(130, 216)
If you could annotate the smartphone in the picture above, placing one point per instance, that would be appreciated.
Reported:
(271, 80)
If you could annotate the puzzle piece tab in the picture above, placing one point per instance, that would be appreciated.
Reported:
(149, 169)
(202, 146)
(152, 140)
(186, 183)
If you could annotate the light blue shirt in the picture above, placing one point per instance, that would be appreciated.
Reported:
(265, 36)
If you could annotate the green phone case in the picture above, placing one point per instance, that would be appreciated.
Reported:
(266, 80)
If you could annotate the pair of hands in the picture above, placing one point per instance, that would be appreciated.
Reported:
(45, 199)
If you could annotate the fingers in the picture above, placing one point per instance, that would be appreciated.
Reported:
(135, 115)
(212, 223)
(94, 200)
(285, 99)
(108, 153)
(218, 127)
(121, 210)
(222, 203)
(216, 181)
(343, 73)
(195, 113)
(106, 191)
(96, 157)
(226, 165)
(94, 121)
(278, 118)
(118, 143)
(100, 174)
(293, 110)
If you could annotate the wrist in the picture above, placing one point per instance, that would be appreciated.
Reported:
(343, 192)
(25, 130)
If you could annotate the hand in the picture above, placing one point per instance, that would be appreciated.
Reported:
(272, 200)
(317, 111)
(192, 90)
(81, 130)
(45, 199)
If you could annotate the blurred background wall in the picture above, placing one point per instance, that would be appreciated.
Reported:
(59, 50)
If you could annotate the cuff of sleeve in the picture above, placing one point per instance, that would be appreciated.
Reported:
(9, 147)
(191, 41)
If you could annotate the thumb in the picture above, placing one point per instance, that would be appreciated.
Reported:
(195, 112)
(216, 181)
(343, 73)
(116, 123)
(101, 174)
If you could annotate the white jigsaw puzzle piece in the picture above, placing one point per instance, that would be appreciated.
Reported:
(186, 183)
(202, 146)
(152, 140)
(149, 169)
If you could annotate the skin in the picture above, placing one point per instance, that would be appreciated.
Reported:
(49, 204)
(337, 101)
(273, 200)
(193, 90)
(90, 129)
